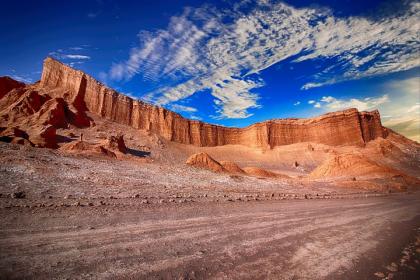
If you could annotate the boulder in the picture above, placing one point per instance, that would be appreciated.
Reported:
(115, 143)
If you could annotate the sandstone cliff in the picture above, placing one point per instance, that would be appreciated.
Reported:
(81, 91)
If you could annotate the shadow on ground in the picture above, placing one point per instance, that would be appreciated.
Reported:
(138, 153)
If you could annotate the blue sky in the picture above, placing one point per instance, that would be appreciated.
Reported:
(231, 62)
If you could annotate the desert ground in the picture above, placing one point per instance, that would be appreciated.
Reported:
(94, 217)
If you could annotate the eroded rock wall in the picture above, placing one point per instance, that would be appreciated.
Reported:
(348, 127)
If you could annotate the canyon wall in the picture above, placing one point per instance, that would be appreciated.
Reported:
(348, 127)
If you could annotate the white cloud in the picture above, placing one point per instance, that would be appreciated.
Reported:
(75, 63)
(130, 94)
(296, 103)
(362, 47)
(311, 101)
(182, 108)
(76, 56)
(334, 104)
(73, 59)
(207, 49)
(68, 55)
(414, 108)
(328, 99)
(79, 48)
(404, 107)
(317, 105)
(193, 117)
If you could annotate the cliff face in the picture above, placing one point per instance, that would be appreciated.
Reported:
(348, 127)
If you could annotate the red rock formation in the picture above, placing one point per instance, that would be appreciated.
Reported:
(116, 144)
(52, 112)
(349, 165)
(113, 147)
(43, 136)
(13, 132)
(203, 160)
(17, 106)
(14, 135)
(7, 84)
(231, 167)
(348, 127)
(86, 148)
(259, 172)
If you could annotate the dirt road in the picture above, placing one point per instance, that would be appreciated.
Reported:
(306, 239)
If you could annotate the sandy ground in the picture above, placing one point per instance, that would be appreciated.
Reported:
(85, 217)
(306, 239)
(49, 176)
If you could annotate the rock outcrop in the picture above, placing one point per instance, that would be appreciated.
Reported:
(113, 147)
(349, 165)
(14, 135)
(231, 167)
(43, 136)
(7, 84)
(86, 148)
(116, 143)
(259, 172)
(203, 160)
(36, 115)
(81, 91)
(36, 112)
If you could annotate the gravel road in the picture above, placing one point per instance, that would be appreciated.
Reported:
(305, 239)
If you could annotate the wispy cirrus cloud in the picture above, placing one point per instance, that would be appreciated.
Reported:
(75, 56)
(72, 55)
(182, 108)
(223, 51)
(335, 104)
(360, 47)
